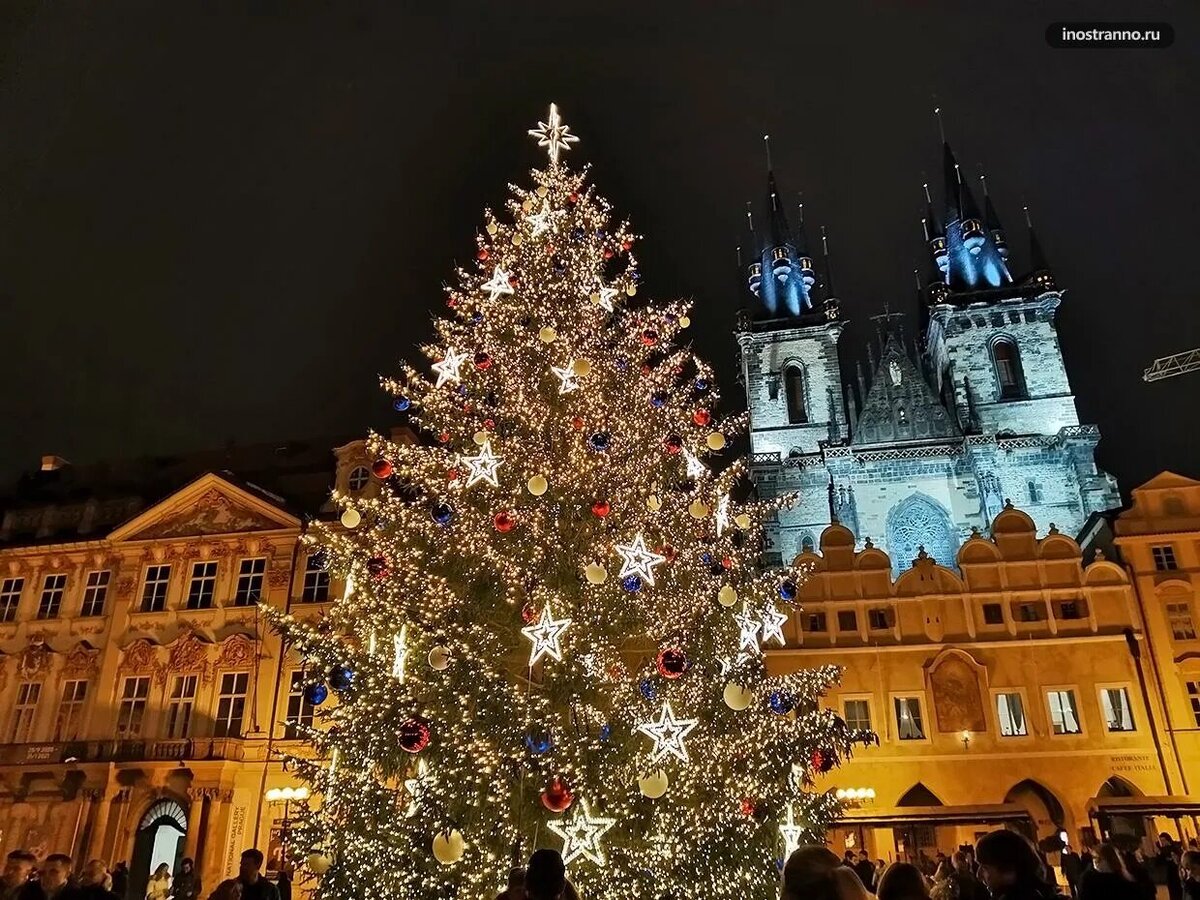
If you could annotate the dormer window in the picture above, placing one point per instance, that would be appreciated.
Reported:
(360, 477)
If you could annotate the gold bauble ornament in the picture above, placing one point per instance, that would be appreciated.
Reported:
(526, 205)
(737, 697)
(439, 658)
(581, 367)
(318, 863)
(715, 441)
(541, 191)
(742, 521)
(481, 438)
(631, 290)
(448, 847)
(684, 321)
(547, 335)
(492, 228)
(351, 518)
(653, 503)
(595, 573)
(697, 509)
(596, 297)
(537, 485)
(653, 785)
(516, 239)
(727, 596)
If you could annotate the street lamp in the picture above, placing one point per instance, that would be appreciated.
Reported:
(287, 796)
(965, 737)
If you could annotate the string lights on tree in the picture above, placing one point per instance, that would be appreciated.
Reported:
(530, 698)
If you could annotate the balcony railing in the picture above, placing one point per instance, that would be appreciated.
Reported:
(123, 751)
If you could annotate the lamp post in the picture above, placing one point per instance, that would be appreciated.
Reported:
(286, 796)
(965, 737)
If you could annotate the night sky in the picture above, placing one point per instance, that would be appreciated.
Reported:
(220, 221)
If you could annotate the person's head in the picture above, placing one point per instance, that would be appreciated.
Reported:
(163, 871)
(944, 870)
(1191, 864)
(18, 866)
(808, 873)
(545, 876)
(1007, 858)
(849, 857)
(962, 861)
(863, 854)
(1164, 839)
(186, 866)
(250, 865)
(1109, 860)
(902, 881)
(55, 871)
(94, 872)
(516, 878)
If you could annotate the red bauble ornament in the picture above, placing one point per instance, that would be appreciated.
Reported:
(482, 360)
(669, 552)
(727, 563)
(600, 509)
(557, 795)
(608, 254)
(645, 369)
(671, 662)
(673, 443)
(451, 302)
(702, 417)
(444, 437)
(452, 475)
(748, 806)
(549, 249)
(649, 337)
(577, 423)
(382, 468)
(616, 672)
(573, 196)
(489, 424)
(414, 734)
(503, 522)
(627, 244)
(378, 568)
(512, 281)
(529, 613)
(482, 254)
(821, 760)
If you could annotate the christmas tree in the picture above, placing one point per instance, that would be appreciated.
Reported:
(554, 616)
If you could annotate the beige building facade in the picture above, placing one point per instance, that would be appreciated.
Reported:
(143, 701)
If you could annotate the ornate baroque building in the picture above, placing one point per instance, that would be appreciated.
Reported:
(142, 700)
(927, 442)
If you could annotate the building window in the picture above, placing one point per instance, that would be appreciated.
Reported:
(847, 620)
(1193, 690)
(793, 386)
(918, 523)
(1164, 558)
(203, 585)
(154, 589)
(132, 710)
(909, 726)
(857, 714)
(1117, 714)
(1031, 612)
(360, 477)
(879, 619)
(993, 614)
(53, 588)
(95, 593)
(231, 704)
(299, 709)
(806, 545)
(1064, 712)
(1035, 491)
(1008, 370)
(316, 579)
(1010, 713)
(250, 582)
(28, 693)
(816, 622)
(10, 598)
(179, 707)
(1179, 618)
(70, 710)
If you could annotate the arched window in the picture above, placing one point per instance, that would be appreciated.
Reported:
(359, 476)
(920, 522)
(793, 383)
(1009, 376)
(807, 544)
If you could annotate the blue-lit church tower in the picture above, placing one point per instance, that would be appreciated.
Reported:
(928, 440)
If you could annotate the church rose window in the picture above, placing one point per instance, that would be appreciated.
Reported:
(916, 523)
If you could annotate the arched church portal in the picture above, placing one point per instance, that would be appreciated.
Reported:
(159, 839)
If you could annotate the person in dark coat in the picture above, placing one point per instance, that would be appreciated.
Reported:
(1072, 868)
(17, 869)
(966, 885)
(120, 880)
(1147, 889)
(53, 879)
(1110, 879)
(250, 883)
(865, 870)
(902, 881)
(1169, 859)
(545, 876)
(187, 882)
(515, 888)
(1010, 868)
(92, 883)
(1191, 875)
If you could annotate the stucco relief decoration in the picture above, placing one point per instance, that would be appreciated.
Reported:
(212, 513)
(278, 576)
(140, 658)
(3, 672)
(956, 696)
(188, 654)
(237, 652)
(125, 588)
(34, 661)
(83, 660)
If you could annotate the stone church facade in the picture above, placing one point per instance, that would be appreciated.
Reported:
(923, 446)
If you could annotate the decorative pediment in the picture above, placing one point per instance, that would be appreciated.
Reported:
(140, 658)
(34, 660)
(82, 661)
(238, 651)
(188, 654)
(208, 506)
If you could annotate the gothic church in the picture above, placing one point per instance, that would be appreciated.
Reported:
(929, 443)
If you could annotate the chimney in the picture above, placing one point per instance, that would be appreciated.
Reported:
(52, 463)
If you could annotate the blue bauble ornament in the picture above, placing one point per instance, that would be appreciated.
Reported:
(632, 583)
(787, 590)
(442, 513)
(605, 732)
(601, 233)
(701, 385)
(781, 703)
(600, 441)
(316, 693)
(401, 404)
(462, 390)
(577, 233)
(539, 741)
(622, 364)
(649, 691)
(706, 557)
(658, 399)
(559, 264)
(341, 677)
(477, 318)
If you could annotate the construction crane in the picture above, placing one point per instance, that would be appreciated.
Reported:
(1170, 366)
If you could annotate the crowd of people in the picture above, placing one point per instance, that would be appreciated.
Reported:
(27, 878)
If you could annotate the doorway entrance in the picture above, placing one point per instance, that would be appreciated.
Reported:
(159, 839)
